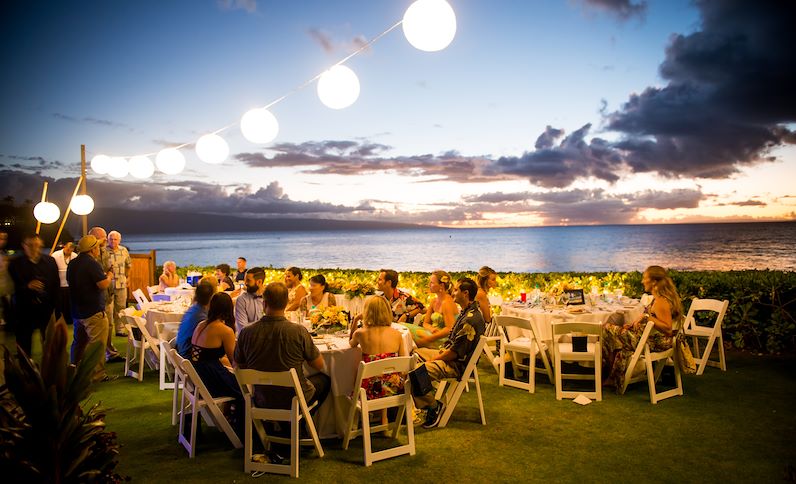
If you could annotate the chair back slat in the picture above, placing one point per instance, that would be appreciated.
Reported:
(513, 321)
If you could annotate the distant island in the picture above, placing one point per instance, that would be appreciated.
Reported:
(130, 222)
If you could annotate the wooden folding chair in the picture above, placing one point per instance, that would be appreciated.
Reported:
(298, 412)
(652, 367)
(201, 402)
(455, 387)
(711, 333)
(563, 351)
(529, 345)
(362, 406)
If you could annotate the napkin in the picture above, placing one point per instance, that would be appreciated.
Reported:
(582, 400)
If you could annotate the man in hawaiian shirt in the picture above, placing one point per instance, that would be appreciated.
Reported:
(404, 306)
(120, 263)
(450, 360)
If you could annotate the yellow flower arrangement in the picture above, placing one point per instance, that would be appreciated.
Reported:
(332, 317)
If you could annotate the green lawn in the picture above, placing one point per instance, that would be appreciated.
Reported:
(737, 426)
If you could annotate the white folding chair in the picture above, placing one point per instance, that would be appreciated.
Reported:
(563, 350)
(179, 377)
(455, 387)
(255, 415)
(201, 402)
(152, 290)
(492, 335)
(712, 333)
(360, 404)
(142, 301)
(166, 332)
(651, 366)
(138, 347)
(529, 345)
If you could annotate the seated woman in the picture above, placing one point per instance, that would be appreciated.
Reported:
(487, 279)
(224, 281)
(378, 341)
(665, 311)
(296, 292)
(440, 315)
(319, 297)
(212, 350)
(169, 278)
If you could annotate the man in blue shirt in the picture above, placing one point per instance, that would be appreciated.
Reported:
(193, 316)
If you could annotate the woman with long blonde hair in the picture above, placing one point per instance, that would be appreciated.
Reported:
(487, 279)
(440, 314)
(666, 313)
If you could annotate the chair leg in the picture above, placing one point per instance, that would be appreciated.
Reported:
(722, 361)
(478, 392)
(142, 357)
(194, 424)
(247, 440)
(558, 377)
(502, 364)
(366, 444)
(294, 441)
(410, 428)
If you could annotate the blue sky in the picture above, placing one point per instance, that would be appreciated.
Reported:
(128, 78)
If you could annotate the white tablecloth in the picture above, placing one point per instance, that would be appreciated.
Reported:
(163, 313)
(342, 363)
(543, 319)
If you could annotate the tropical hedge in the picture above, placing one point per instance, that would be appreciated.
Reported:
(761, 316)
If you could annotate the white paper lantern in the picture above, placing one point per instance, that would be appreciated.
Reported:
(100, 164)
(170, 161)
(429, 25)
(141, 167)
(338, 87)
(46, 212)
(118, 167)
(82, 204)
(211, 148)
(259, 126)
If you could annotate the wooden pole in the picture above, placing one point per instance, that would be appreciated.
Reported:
(43, 199)
(83, 177)
(66, 215)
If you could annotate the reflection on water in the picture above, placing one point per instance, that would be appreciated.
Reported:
(541, 249)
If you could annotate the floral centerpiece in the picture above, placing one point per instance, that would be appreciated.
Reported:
(358, 289)
(329, 320)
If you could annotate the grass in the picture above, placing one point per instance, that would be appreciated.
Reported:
(734, 426)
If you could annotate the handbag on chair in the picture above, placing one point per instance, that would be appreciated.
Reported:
(684, 356)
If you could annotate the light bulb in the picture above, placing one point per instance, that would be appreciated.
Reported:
(46, 212)
(141, 167)
(118, 167)
(82, 204)
(211, 148)
(100, 164)
(338, 87)
(259, 126)
(429, 25)
(170, 161)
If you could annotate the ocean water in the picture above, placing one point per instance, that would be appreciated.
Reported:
(538, 249)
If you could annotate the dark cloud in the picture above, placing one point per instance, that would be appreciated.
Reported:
(730, 92)
(558, 166)
(90, 120)
(174, 196)
(747, 203)
(623, 9)
(31, 163)
(582, 206)
(357, 158)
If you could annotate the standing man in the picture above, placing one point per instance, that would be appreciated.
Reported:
(249, 305)
(240, 276)
(62, 258)
(35, 277)
(120, 263)
(88, 285)
(404, 306)
(450, 360)
(111, 353)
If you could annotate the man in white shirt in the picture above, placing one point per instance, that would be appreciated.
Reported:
(249, 305)
(62, 258)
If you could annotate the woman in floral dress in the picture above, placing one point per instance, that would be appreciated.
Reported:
(665, 311)
(379, 341)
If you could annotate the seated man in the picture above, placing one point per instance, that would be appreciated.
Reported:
(193, 316)
(450, 360)
(404, 306)
(275, 344)
(249, 306)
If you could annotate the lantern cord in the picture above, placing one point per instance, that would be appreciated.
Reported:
(345, 59)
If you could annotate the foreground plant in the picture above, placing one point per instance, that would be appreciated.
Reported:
(48, 433)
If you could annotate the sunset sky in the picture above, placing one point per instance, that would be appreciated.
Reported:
(538, 113)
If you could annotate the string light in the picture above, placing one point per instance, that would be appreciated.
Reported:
(428, 25)
(46, 212)
(82, 204)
